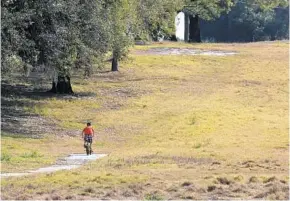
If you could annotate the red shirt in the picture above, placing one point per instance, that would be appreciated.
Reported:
(88, 130)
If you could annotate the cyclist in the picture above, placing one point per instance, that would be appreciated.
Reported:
(88, 134)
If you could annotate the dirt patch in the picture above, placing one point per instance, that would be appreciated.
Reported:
(183, 51)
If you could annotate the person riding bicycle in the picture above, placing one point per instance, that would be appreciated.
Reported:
(88, 134)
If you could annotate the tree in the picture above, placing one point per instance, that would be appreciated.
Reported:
(121, 18)
(131, 19)
(66, 35)
(261, 18)
(267, 4)
(17, 48)
(156, 18)
(59, 34)
(279, 28)
(250, 21)
(77, 35)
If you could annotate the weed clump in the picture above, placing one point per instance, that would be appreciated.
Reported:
(89, 190)
(23, 197)
(187, 183)
(271, 179)
(283, 181)
(153, 196)
(197, 146)
(127, 193)
(172, 189)
(224, 180)
(211, 188)
(188, 197)
(253, 179)
(239, 178)
(70, 197)
(30, 186)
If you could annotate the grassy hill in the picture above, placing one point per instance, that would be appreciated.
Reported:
(174, 126)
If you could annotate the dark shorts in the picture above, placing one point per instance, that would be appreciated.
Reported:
(88, 138)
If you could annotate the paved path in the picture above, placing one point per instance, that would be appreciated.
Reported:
(70, 162)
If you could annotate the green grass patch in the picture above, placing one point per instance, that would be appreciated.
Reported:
(5, 157)
(20, 154)
(33, 154)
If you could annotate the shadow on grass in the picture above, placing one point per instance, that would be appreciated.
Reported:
(17, 121)
(27, 91)
(104, 72)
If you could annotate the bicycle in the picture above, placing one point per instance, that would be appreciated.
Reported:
(88, 146)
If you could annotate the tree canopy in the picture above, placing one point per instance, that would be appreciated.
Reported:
(207, 9)
(250, 21)
(57, 34)
(62, 35)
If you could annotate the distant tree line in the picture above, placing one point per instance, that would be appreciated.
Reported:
(247, 22)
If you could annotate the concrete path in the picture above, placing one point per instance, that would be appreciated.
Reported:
(70, 162)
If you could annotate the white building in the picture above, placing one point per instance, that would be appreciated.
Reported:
(179, 26)
(187, 27)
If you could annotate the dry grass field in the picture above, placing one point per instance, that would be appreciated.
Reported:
(174, 126)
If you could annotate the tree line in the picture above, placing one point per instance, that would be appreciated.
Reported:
(63, 35)
(247, 22)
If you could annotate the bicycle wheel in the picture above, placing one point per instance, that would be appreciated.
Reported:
(87, 148)
(90, 148)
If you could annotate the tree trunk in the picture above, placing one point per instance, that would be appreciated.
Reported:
(53, 89)
(63, 85)
(194, 29)
(114, 64)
